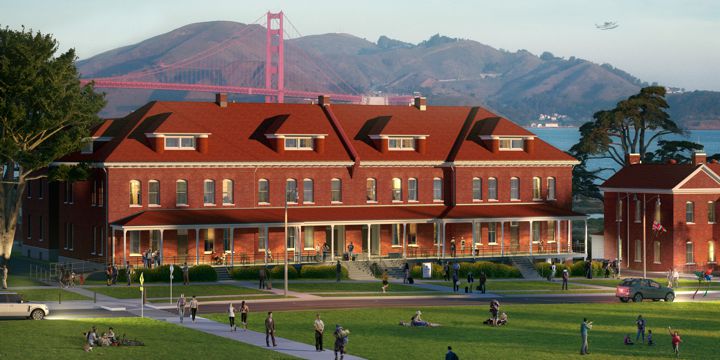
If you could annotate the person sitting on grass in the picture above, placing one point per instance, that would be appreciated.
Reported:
(649, 338)
(111, 335)
(494, 310)
(503, 319)
(417, 321)
(628, 340)
(104, 340)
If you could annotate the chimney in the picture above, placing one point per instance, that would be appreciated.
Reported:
(221, 100)
(319, 145)
(633, 159)
(323, 100)
(421, 103)
(159, 144)
(699, 157)
(384, 145)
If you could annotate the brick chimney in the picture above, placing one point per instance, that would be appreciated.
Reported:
(699, 157)
(421, 103)
(221, 100)
(323, 100)
(633, 159)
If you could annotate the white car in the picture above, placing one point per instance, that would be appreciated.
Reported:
(12, 305)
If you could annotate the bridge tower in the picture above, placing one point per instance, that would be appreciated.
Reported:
(275, 57)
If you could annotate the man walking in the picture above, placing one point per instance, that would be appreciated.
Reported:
(319, 329)
(341, 340)
(584, 327)
(261, 278)
(565, 276)
(450, 355)
(406, 273)
(181, 307)
(114, 274)
(338, 271)
(129, 271)
(4, 276)
(482, 280)
(446, 271)
(453, 247)
(640, 329)
(186, 274)
(270, 330)
(456, 281)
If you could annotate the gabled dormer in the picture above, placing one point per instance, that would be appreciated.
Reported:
(400, 142)
(499, 135)
(160, 142)
(297, 142)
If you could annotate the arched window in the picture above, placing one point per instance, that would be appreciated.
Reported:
(514, 188)
(476, 189)
(154, 193)
(551, 188)
(209, 192)
(181, 195)
(135, 193)
(396, 189)
(437, 189)
(291, 194)
(412, 189)
(711, 251)
(492, 189)
(308, 191)
(263, 191)
(690, 212)
(656, 252)
(336, 190)
(371, 190)
(228, 197)
(689, 253)
(537, 188)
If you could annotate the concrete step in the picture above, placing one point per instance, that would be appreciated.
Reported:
(222, 273)
(526, 268)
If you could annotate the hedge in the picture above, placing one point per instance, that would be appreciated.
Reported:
(544, 269)
(491, 270)
(321, 272)
(277, 272)
(162, 274)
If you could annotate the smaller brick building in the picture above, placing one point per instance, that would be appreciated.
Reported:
(671, 206)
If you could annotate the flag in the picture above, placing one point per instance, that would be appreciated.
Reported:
(658, 228)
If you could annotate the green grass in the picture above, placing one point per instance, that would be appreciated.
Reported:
(22, 280)
(516, 285)
(50, 295)
(321, 287)
(534, 331)
(63, 339)
(411, 293)
(125, 292)
(684, 283)
(223, 298)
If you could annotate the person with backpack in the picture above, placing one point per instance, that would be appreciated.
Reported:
(341, 341)
(482, 280)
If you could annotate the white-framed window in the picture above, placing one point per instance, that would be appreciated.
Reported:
(135, 193)
(299, 143)
(209, 241)
(656, 252)
(551, 188)
(155, 239)
(69, 194)
(336, 190)
(395, 236)
(153, 193)
(492, 189)
(401, 143)
(412, 189)
(492, 233)
(179, 143)
(308, 191)
(291, 194)
(291, 238)
(689, 252)
(536, 235)
(711, 251)
(711, 212)
(181, 192)
(638, 211)
(638, 251)
(476, 189)
(551, 231)
(263, 191)
(618, 210)
(262, 238)
(537, 188)
(515, 144)
(226, 240)
(308, 238)
(228, 196)
(134, 242)
(437, 189)
(371, 190)
(690, 212)
(396, 189)
(412, 234)
(514, 188)
(209, 192)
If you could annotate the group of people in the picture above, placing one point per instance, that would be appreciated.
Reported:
(182, 304)
(111, 274)
(67, 277)
(641, 325)
(151, 258)
(673, 278)
(92, 339)
(417, 321)
(610, 268)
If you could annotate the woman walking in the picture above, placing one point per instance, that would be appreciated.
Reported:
(244, 310)
(231, 317)
(193, 308)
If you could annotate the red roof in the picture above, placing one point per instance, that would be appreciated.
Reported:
(351, 214)
(650, 176)
(501, 127)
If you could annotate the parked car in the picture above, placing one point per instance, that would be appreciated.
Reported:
(639, 289)
(12, 305)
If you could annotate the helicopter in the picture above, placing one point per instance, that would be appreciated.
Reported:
(608, 25)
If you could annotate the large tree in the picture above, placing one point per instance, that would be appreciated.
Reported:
(45, 113)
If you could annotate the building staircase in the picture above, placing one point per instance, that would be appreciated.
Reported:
(222, 273)
(526, 267)
(358, 270)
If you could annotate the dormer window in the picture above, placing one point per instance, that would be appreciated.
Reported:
(87, 148)
(511, 144)
(179, 142)
(401, 143)
(299, 143)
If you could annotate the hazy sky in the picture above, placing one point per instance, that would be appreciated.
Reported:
(673, 42)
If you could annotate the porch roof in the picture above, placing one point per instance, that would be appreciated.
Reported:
(341, 215)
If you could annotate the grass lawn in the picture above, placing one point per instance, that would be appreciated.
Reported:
(411, 293)
(22, 280)
(542, 292)
(516, 285)
(63, 339)
(535, 331)
(684, 283)
(321, 287)
(125, 292)
(50, 295)
(222, 298)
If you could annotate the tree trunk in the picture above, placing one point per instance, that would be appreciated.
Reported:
(6, 243)
(11, 200)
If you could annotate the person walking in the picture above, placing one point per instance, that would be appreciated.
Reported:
(193, 308)
(341, 340)
(406, 273)
(231, 317)
(482, 279)
(181, 307)
(244, 311)
(129, 271)
(453, 247)
(262, 275)
(565, 277)
(108, 275)
(338, 271)
(4, 276)
(675, 340)
(385, 282)
(640, 322)
(450, 355)
(446, 271)
(319, 330)
(455, 281)
(584, 327)
(470, 280)
(114, 274)
(553, 272)
(186, 274)
(676, 278)
(270, 330)
(351, 248)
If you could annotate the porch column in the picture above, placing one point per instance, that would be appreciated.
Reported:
(332, 243)
(368, 240)
(197, 246)
(502, 238)
(443, 238)
(404, 240)
(569, 236)
(232, 246)
(586, 240)
(532, 237)
(473, 229)
(299, 246)
(557, 236)
(162, 248)
(124, 246)
(438, 237)
(113, 244)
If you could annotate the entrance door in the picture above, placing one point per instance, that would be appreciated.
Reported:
(182, 245)
(514, 236)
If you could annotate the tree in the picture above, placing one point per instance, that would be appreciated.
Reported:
(45, 113)
(678, 150)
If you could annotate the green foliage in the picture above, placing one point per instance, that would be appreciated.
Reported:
(70, 173)
(162, 274)
(278, 272)
(491, 270)
(437, 271)
(578, 268)
(321, 272)
(544, 269)
(245, 272)
(680, 151)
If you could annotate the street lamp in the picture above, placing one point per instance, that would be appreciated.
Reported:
(644, 225)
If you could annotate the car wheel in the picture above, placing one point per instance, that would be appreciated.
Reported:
(37, 314)
(624, 300)
(670, 297)
(638, 297)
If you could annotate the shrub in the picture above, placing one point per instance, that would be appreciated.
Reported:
(198, 273)
(321, 272)
(162, 274)
(416, 271)
(245, 272)
(545, 268)
(578, 268)
(278, 272)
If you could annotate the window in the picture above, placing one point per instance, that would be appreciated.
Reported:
(181, 195)
(371, 190)
(209, 240)
(226, 240)
(412, 189)
(94, 241)
(436, 234)
(93, 195)
(638, 251)
(396, 189)
(308, 191)
(41, 229)
(618, 210)
(100, 194)
(336, 190)
(689, 253)
(309, 238)
(492, 189)
(395, 241)
(228, 197)
(69, 236)
(153, 193)
(437, 189)
(711, 212)
(551, 188)
(135, 193)
(412, 235)
(514, 188)
(536, 232)
(537, 188)
(155, 239)
(299, 143)
(711, 251)
(492, 233)
(291, 195)
(511, 144)
(638, 211)
(209, 192)
(551, 231)
(477, 233)
(262, 238)
(401, 143)
(690, 212)
(101, 240)
(69, 197)
(656, 252)
(290, 238)
(179, 143)
(263, 191)
(134, 242)
(28, 189)
(476, 189)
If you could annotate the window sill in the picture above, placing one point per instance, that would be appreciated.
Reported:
(493, 200)
(228, 204)
(308, 249)
(549, 199)
(690, 223)
(515, 200)
(690, 263)
(711, 223)
(413, 201)
(371, 201)
(135, 255)
(308, 203)
(264, 203)
(207, 252)
(637, 261)
(438, 200)
(477, 200)
(656, 262)
(154, 205)
(397, 201)
(182, 205)
(336, 202)
(396, 246)
(551, 242)
(135, 206)
(492, 244)
(209, 205)
(535, 242)
(413, 245)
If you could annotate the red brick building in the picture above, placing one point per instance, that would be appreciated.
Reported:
(682, 198)
(196, 180)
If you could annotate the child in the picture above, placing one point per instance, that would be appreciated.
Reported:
(675, 336)
(628, 340)
(649, 338)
